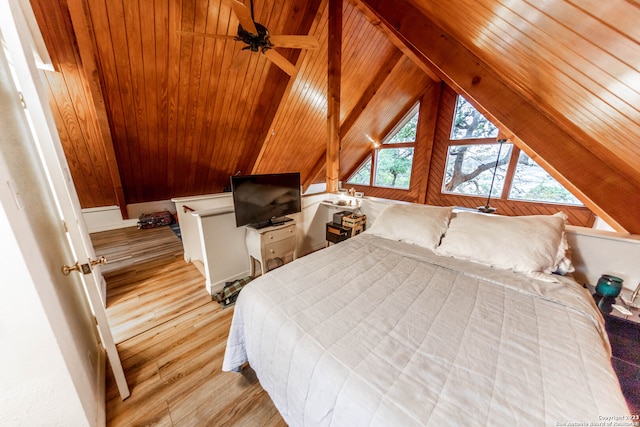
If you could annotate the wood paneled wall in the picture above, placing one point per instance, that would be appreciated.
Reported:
(378, 85)
(434, 129)
(577, 60)
(400, 92)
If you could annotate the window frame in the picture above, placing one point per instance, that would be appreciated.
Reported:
(509, 170)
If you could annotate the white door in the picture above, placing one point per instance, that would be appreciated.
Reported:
(52, 164)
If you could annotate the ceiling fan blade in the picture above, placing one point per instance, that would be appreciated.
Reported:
(281, 62)
(211, 36)
(244, 16)
(295, 42)
(241, 60)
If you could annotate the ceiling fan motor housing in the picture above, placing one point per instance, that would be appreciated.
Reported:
(255, 42)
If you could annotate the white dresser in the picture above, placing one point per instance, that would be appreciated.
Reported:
(271, 246)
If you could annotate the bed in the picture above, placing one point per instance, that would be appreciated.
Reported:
(401, 326)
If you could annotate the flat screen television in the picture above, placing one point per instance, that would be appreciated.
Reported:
(264, 200)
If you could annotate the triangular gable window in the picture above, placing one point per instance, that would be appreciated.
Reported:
(362, 176)
(393, 159)
(469, 123)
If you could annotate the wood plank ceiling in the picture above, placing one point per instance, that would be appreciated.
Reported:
(148, 113)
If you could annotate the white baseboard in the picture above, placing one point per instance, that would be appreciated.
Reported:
(214, 288)
(104, 218)
(107, 218)
(136, 209)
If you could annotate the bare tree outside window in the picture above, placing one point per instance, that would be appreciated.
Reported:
(470, 169)
(532, 183)
(468, 123)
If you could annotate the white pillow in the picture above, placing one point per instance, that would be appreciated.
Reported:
(525, 244)
(417, 224)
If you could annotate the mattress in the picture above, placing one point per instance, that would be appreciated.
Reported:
(378, 332)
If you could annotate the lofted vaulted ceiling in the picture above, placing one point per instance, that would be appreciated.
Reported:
(146, 112)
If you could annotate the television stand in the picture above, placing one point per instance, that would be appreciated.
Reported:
(273, 222)
(271, 246)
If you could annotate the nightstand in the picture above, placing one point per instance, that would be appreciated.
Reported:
(624, 335)
(351, 225)
(271, 246)
(336, 233)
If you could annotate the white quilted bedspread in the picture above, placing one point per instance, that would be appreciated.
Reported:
(375, 332)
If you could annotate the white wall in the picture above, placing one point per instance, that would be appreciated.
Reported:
(310, 224)
(134, 210)
(35, 385)
(189, 228)
(110, 218)
(224, 252)
(596, 252)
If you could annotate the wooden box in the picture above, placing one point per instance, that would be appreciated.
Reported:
(354, 220)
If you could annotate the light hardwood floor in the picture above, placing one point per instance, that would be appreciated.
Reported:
(171, 339)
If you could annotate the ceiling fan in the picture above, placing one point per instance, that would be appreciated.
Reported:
(257, 39)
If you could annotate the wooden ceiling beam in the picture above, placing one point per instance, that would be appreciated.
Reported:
(83, 29)
(358, 109)
(333, 94)
(425, 137)
(604, 189)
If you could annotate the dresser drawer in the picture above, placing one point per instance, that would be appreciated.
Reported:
(278, 235)
(280, 249)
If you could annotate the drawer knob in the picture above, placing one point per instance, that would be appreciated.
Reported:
(272, 251)
(271, 237)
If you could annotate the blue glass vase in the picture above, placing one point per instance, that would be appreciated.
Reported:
(609, 286)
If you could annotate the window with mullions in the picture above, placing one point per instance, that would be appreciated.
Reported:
(393, 158)
(406, 133)
(470, 165)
